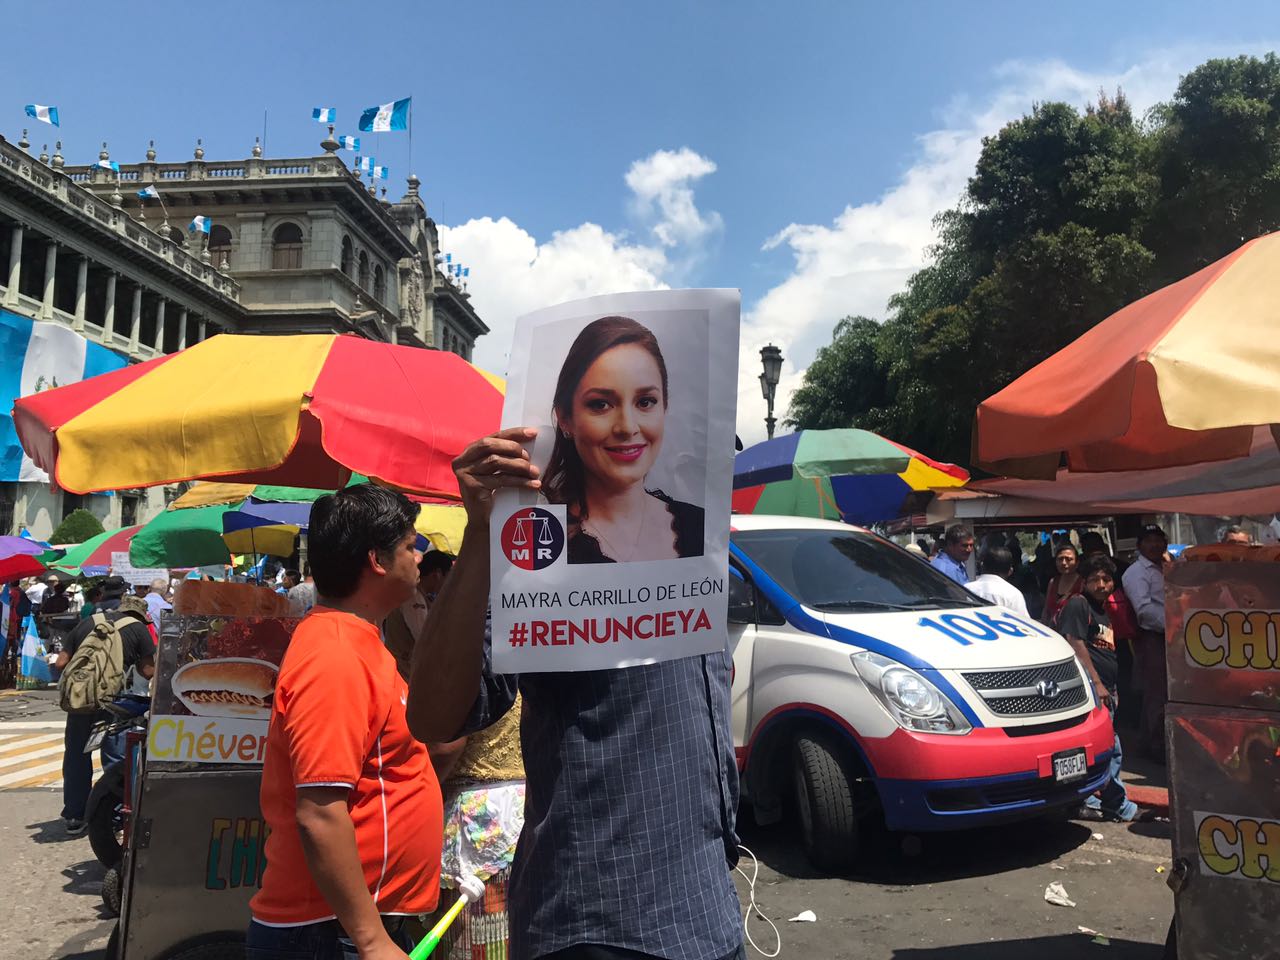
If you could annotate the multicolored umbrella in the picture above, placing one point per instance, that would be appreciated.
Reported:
(200, 536)
(851, 475)
(93, 557)
(20, 565)
(307, 410)
(21, 546)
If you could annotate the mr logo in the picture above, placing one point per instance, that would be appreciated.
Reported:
(532, 538)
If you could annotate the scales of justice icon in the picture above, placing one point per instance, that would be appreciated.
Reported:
(524, 527)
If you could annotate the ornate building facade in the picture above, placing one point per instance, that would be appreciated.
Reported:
(295, 245)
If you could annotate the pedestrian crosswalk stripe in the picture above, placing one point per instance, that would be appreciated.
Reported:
(35, 747)
(34, 759)
(25, 726)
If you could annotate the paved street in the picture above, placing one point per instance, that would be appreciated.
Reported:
(973, 896)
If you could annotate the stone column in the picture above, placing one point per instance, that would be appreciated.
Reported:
(109, 314)
(160, 310)
(135, 322)
(82, 289)
(50, 278)
(182, 329)
(200, 330)
(15, 263)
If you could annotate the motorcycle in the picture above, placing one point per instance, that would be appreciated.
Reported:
(109, 803)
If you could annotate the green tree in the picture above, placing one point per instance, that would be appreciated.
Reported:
(76, 527)
(845, 385)
(1216, 147)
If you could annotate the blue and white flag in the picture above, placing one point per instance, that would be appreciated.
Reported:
(389, 116)
(466, 271)
(324, 114)
(364, 164)
(149, 192)
(33, 663)
(380, 172)
(349, 143)
(108, 165)
(44, 114)
(35, 357)
(448, 258)
(201, 224)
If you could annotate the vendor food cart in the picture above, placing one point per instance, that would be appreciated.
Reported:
(194, 845)
(1222, 611)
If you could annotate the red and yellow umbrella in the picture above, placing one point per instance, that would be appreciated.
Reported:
(305, 410)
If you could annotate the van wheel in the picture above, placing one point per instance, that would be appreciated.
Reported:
(825, 802)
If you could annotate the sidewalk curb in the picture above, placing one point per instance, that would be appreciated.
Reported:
(1153, 798)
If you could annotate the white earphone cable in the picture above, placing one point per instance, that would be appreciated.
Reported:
(753, 907)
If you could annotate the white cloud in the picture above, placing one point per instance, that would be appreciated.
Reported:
(515, 272)
(853, 264)
(663, 188)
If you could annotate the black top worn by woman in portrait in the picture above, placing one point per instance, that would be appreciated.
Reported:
(687, 523)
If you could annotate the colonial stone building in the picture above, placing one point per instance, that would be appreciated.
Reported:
(296, 245)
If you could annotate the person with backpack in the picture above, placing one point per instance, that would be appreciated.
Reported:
(96, 656)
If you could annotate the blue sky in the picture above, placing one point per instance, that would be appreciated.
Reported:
(796, 151)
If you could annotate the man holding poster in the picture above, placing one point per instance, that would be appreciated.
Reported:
(598, 538)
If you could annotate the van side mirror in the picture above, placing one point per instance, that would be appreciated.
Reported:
(742, 600)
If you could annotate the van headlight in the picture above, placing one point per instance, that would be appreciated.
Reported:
(914, 702)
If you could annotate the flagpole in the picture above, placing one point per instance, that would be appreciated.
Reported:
(411, 134)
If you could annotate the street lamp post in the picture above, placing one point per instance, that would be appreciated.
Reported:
(771, 360)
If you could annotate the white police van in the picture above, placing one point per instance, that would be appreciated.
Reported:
(866, 682)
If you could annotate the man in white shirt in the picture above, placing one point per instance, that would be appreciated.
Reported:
(156, 602)
(1144, 586)
(995, 567)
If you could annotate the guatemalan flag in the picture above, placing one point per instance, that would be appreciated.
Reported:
(149, 192)
(349, 143)
(44, 114)
(35, 357)
(201, 224)
(364, 164)
(108, 165)
(380, 172)
(389, 116)
(324, 114)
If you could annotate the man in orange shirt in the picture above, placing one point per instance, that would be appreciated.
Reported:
(349, 795)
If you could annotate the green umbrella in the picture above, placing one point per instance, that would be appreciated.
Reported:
(195, 537)
(266, 491)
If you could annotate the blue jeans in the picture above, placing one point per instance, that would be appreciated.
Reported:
(1112, 799)
(325, 940)
(77, 766)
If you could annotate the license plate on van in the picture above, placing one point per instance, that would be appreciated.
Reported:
(1069, 765)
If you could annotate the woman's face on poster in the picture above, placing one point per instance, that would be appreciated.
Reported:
(618, 416)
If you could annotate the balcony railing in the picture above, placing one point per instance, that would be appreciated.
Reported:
(65, 187)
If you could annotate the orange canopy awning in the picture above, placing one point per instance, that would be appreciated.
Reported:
(1181, 376)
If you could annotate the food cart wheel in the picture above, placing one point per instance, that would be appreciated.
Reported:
(111, 892)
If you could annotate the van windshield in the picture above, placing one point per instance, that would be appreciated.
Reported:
(838, 570)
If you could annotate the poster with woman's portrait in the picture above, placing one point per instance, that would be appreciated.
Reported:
(622, 556)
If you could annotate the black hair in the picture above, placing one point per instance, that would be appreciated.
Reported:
(996, 560)
(293, 574)
(346, 525)
(563, 480)
(958, 533)
(1065, 545)
(1151, 530)
(1098, 562)
(435, 561)
(1093, 542)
